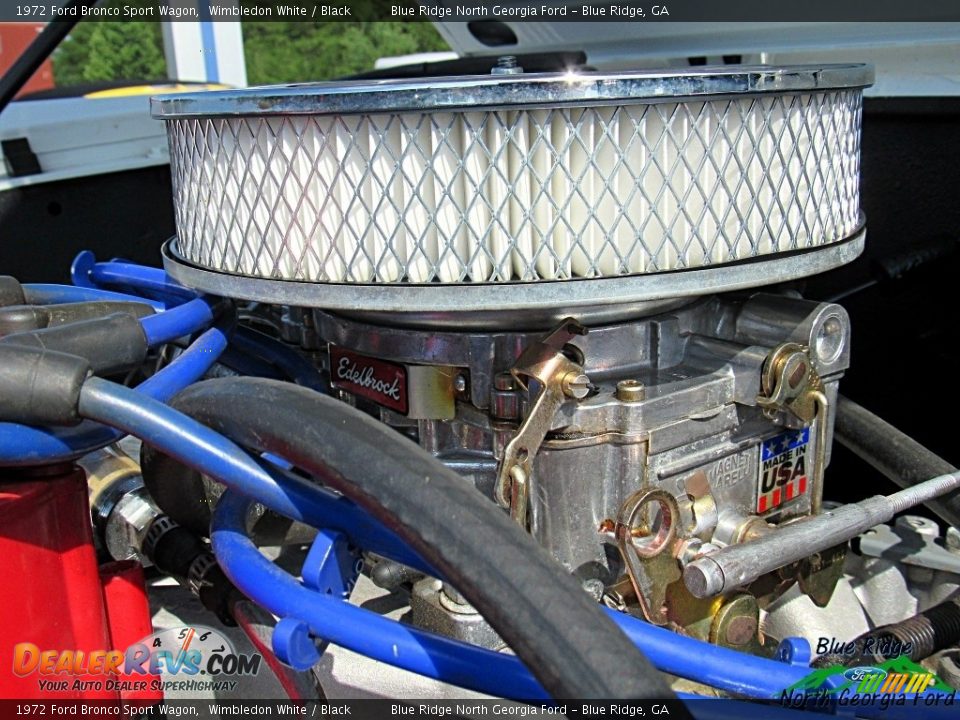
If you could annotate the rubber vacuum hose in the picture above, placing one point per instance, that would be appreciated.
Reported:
(565, 639)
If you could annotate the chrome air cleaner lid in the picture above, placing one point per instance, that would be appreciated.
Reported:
(494, 91)
(398, 195)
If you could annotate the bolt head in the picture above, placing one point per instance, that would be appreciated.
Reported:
(741, 630)
(460, 384)
(631, 391)
(920, 525)
(506, 65)
(952, 540)
(576, 385)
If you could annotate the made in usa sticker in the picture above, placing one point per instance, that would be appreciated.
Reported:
(783, 469)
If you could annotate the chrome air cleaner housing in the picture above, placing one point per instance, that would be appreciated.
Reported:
(444, 200)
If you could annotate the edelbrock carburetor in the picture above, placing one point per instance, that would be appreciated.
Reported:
(551, 280)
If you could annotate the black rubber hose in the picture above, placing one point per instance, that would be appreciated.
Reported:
(40, 386)
(918, 637)
(894, 454)
(176, 489)
(24, 318)
(112, 344)
(537, 608)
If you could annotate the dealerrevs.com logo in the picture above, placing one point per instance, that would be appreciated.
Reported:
(174, 659)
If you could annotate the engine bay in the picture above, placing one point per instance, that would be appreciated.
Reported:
(530, 353)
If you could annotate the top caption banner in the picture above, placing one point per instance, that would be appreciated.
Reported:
(510, 11)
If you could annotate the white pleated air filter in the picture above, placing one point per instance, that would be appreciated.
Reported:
(515, 178)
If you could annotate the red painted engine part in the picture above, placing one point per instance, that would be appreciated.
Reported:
(55, 597)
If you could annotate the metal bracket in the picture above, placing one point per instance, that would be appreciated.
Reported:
(791, 383)
(901, 544)
(332, 565)
(559, 378)
(819, 574)
(646, 542)
(700, 507)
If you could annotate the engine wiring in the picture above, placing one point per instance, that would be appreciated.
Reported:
(111, 410)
